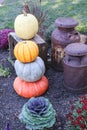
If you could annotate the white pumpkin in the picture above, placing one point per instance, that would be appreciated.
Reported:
(26, 26)
(30, 72)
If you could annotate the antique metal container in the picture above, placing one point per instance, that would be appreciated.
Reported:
(75, 68)
(63, 35)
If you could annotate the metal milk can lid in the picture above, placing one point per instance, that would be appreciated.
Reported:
(76, 49)
(66, 22)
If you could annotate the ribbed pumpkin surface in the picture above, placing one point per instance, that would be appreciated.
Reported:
(26, 26)
(30, 89)
(30, 72)
(26, 51)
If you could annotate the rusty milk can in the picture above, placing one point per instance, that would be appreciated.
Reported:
(63, 35)
(75, 68)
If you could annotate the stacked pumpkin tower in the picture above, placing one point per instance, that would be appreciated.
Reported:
(29, 67)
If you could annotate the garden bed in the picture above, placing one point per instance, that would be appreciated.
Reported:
(11, 103)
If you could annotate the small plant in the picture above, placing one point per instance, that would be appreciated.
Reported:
(4, 71)
(38, 114)
(77, 118)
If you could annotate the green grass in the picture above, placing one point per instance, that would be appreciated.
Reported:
(68, 8)
(8, 12)
(56, 8)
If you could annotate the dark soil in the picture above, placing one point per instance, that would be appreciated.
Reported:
(11, 103)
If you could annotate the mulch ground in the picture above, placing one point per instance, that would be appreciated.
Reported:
(11, 103)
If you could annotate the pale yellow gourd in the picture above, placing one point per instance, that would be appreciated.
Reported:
(26, 26)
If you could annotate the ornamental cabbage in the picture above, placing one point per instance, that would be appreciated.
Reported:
(38, 114)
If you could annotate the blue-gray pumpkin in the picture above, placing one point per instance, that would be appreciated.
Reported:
(31, 71)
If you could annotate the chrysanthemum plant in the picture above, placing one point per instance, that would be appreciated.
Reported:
(77, 117)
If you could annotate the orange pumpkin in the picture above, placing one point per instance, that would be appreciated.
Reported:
(30, 89)
(26, 51)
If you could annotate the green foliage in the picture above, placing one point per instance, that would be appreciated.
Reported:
(4, 71)
(38, 114)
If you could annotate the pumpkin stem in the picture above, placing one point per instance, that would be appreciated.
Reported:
(25, 13)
